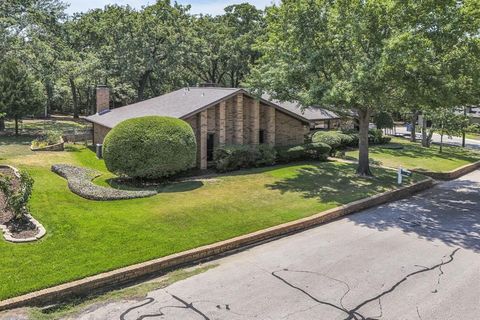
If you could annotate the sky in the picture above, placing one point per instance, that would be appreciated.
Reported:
(213, 7)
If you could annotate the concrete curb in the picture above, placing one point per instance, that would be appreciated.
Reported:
(122, 276)
(451, 175)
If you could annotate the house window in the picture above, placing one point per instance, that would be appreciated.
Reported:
(261, 136)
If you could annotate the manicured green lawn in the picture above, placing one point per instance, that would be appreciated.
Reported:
(474, 136)
(414, 156)
(88, 237)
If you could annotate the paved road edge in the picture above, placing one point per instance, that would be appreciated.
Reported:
(112, 279)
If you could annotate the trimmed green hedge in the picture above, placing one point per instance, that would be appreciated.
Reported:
(340, 140)
(236, 157)
(150, 147)
(314, 150)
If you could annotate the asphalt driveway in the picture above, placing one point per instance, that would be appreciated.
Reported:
(418, 258)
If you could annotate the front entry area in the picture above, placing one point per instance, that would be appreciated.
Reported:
(210, 146)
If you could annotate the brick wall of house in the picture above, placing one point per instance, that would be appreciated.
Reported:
(288, 130)
(99, 133)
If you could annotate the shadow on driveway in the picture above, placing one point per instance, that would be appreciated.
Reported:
(449, 212)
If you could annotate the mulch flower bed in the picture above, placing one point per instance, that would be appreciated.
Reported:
(22, 228)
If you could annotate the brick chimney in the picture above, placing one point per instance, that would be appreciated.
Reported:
(103, 98)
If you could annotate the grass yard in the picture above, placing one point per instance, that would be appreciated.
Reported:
(474, 136)
(35, 126)
(414, 156)
(87, 237)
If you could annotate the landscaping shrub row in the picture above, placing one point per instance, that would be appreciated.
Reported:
(338, 140)
(236, 157)
(79, 182)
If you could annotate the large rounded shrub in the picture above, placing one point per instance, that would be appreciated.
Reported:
(150, 147)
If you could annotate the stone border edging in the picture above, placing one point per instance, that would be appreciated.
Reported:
(8, 235)
(453, 174)
(122, 276)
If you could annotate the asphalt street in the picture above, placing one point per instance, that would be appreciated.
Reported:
(418, 258)
(456, 141)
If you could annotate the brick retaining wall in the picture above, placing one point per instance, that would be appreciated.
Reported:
(454, 174)
(112, 279)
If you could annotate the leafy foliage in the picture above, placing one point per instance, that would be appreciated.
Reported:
(236, 157)
(383, 120)
(150, 147)
(19, 92)
(314, 150)
(362, 57)
(49, 138)
(16, 201)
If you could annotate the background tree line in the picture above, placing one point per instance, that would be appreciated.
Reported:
(138, 53)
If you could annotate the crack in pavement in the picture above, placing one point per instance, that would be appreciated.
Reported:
(354, 314)
(190, 306)
(150, 300)
(418, 313)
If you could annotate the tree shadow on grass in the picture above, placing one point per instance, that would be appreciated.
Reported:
(329, 182)
(415, 151)
(449, 212)
(13, 140)
(166, 187)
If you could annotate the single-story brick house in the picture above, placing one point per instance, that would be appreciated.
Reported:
(218, 116)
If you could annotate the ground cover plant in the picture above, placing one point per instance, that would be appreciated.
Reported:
(82, 233)
(49, 138)
(80, 182)
(15, 192)
(413, 156)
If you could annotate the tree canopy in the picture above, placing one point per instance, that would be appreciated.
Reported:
(362, 57)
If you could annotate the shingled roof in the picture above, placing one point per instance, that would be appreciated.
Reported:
(310, 113)
(180, 104)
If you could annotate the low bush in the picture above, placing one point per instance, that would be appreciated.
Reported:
(341, 140)
(267, 155)
(335, 139)
(150, 147)
(50, 137)
(16, 199)
(314, 150)
(236, 157)
(291, 153)
(331, 138)
(317, 150)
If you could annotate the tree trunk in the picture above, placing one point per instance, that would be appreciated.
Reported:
(49, 89)
(363, 168)
(424, 133)
(441, 142)
(142, 83)
(74, 98)
(413, 133)
(16, 125)
(463, 131)
(2, 123)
